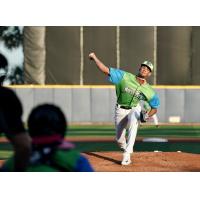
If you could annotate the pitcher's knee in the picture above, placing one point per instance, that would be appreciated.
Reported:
(133, 116)
(132, 119)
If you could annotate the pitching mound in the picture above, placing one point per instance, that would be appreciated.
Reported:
(145, 162)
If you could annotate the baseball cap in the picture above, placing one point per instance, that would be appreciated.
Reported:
(148, 64)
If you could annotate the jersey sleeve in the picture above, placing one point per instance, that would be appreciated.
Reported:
(115, 75)
(83, 165)
(154, 102)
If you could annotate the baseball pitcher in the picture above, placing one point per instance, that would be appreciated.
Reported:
(130, 90)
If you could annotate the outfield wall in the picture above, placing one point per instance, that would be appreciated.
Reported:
(174, 51)
(96, 103)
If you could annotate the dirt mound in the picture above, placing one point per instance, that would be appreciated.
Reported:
(145, 162)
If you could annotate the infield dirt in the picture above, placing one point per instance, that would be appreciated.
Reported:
(145, 162)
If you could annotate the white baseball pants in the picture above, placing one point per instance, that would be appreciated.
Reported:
(155, 119)
(126, 120)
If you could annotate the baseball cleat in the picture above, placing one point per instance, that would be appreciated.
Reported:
(126, 159)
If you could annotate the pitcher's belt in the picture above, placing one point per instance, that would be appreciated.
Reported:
(124, 107)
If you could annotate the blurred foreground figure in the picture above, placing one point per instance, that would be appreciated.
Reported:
(50, 153)
(12, 126)
(34, 54)
(3, 68)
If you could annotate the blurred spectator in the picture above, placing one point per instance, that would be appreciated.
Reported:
(34, 54)
(47, 127)
(11, 48)
(12, 126)
(3, 68)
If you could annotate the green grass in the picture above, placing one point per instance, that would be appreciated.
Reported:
(4, 154)
(144, 131)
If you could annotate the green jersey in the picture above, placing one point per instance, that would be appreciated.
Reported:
(129, 92)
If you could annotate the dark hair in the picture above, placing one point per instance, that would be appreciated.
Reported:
(10, 112)
(4, 67)
(3, 61)
(47, 120)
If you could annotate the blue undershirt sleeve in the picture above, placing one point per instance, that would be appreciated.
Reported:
(115, 75)
(154, 102)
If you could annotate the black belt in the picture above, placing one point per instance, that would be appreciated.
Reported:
(125, 107)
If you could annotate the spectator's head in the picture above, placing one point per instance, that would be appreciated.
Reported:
(3, 68)
(47, 125)
(10, 113)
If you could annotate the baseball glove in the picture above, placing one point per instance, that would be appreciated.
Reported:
(144, 116)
